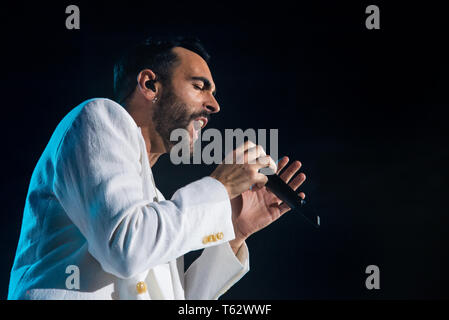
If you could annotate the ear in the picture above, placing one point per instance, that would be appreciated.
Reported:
(144, 76)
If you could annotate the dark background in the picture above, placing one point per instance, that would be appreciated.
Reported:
(363, 110)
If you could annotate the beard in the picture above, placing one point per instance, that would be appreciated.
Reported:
(172, 113)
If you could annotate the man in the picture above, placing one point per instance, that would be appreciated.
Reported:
(96, 227)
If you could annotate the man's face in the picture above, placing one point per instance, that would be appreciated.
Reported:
(188, 100)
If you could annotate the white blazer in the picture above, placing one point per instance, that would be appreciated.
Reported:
(92, 204)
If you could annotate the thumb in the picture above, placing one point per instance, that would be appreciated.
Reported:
(261, 180)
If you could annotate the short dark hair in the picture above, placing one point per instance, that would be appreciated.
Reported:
(155, 54)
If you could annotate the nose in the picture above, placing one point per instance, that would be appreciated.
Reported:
(212, 105)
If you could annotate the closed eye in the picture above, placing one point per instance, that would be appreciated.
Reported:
(198, 87)
(205, 84)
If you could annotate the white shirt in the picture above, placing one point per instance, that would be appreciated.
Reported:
(91, 204)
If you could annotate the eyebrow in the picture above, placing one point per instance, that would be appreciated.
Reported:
(206, 82)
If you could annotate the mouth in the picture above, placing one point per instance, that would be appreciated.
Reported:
(196, 125)
(202, 121)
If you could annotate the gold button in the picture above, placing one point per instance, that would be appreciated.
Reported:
(219, 235)
(141, 287)
(212, 238)
(205, 240)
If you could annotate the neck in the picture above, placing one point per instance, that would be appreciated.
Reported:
(143, 116)
(153, 151)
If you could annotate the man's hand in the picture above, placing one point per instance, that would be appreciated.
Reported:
(253, 210)
(243, 169)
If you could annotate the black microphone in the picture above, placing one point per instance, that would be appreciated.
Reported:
(283, 191)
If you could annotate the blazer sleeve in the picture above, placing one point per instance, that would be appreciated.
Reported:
(98, 183)
(215, 271)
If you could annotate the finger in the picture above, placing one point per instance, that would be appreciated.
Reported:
(290, 171)
(282, 163)
(238, 152)
(297, 181)
(248, 144)
(266, 162)
(252, 154)
(283, 207)
(256, 187)
(248, 155)
(269, 167)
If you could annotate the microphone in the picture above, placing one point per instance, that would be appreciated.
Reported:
(283, 191)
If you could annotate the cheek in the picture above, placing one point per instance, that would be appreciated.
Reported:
(188, 96)
(192, 95)
(188, 93)
(191, 99)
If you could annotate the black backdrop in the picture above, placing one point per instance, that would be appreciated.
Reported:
(364, 110)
